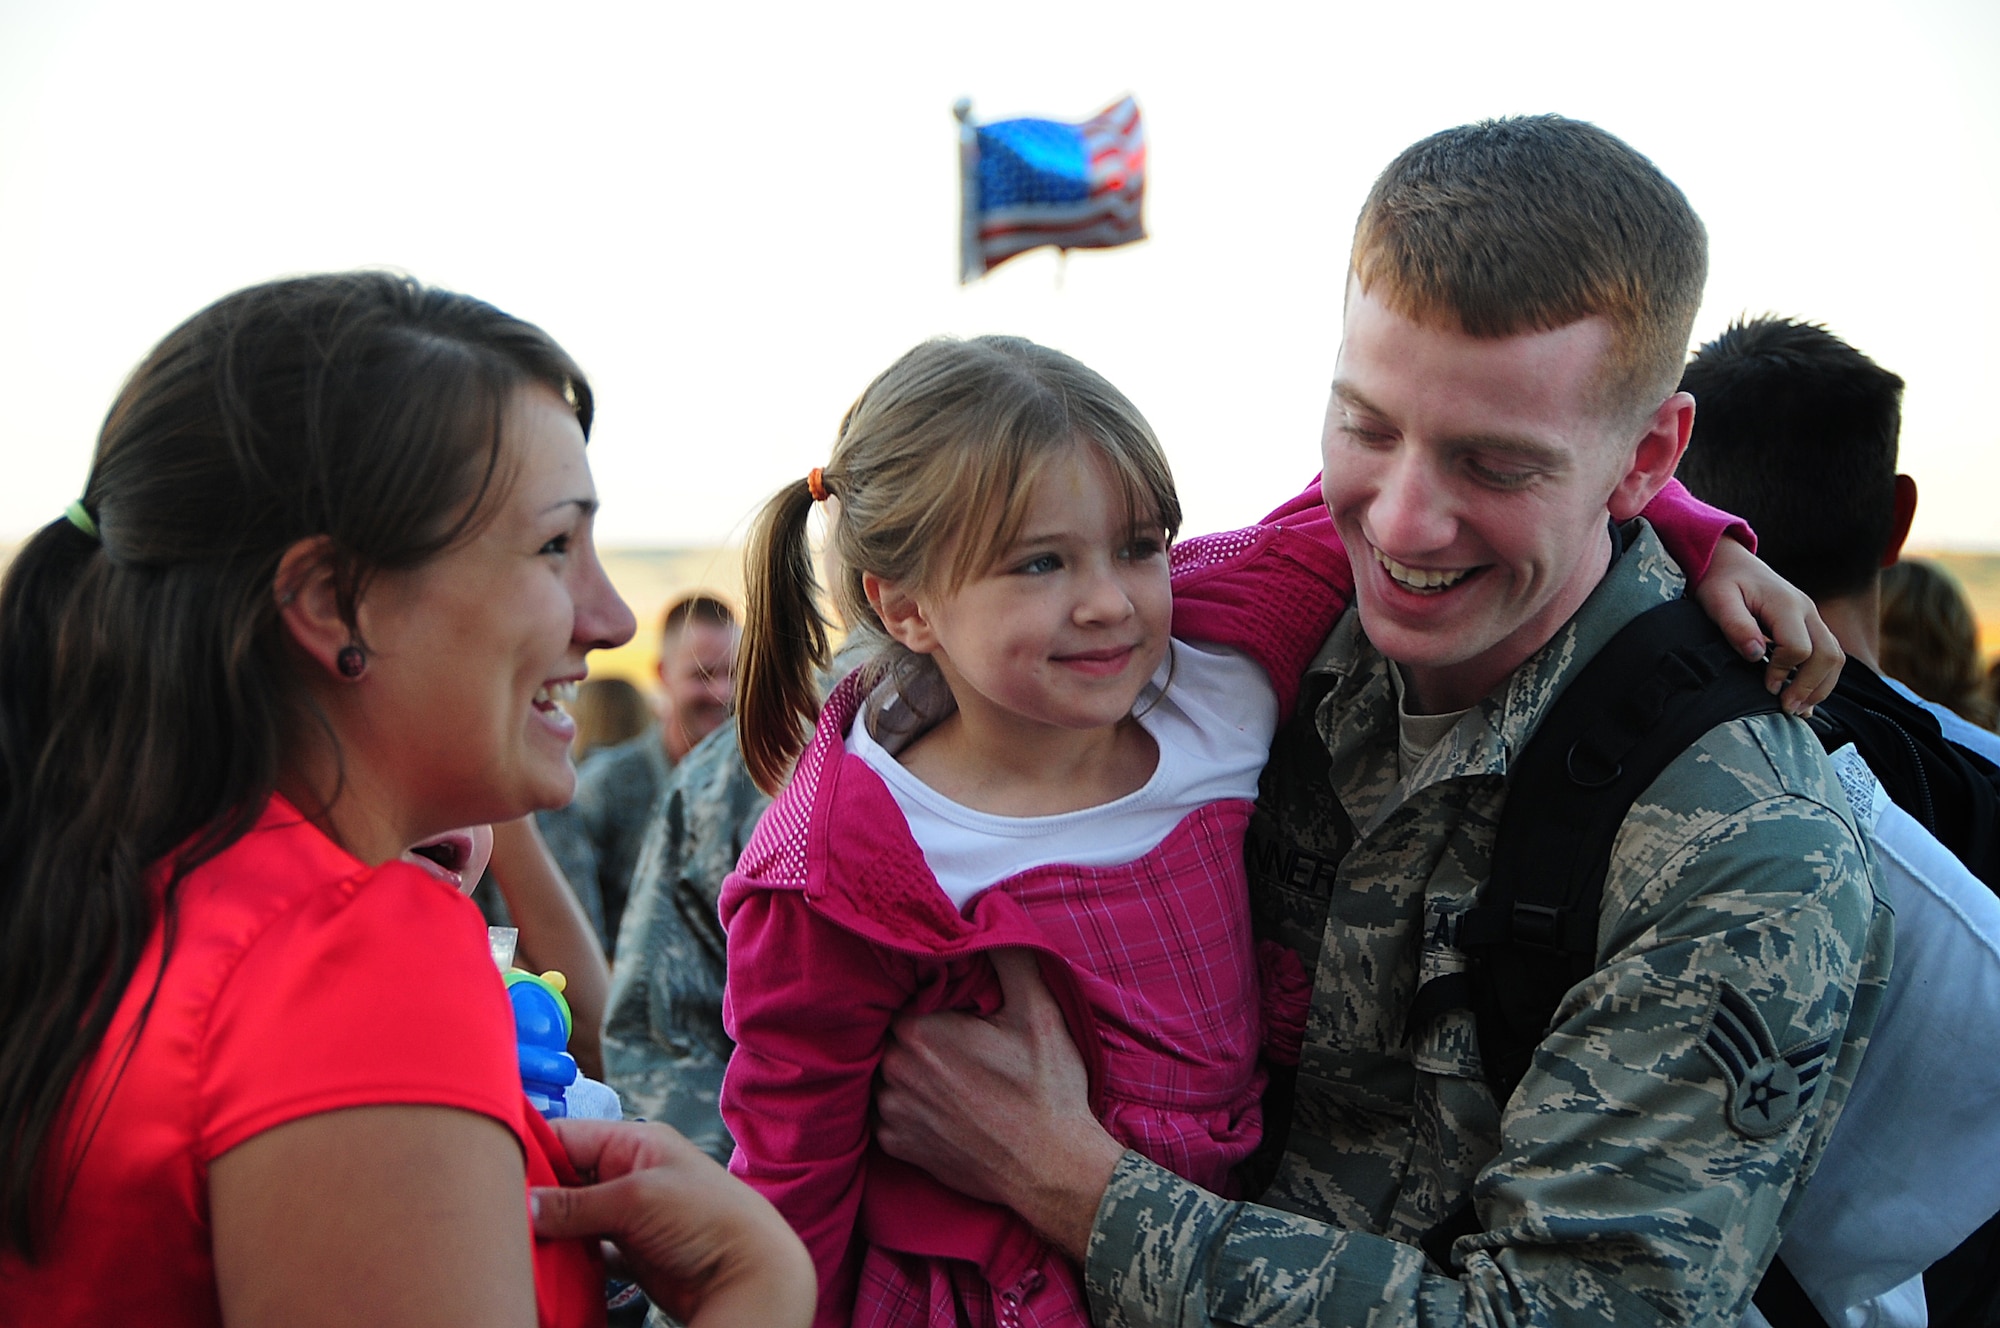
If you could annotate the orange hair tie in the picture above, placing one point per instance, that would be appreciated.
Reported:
(816, 481)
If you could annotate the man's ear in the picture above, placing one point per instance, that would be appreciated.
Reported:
(307, 592)
(1904, 512)
(902, 616)
(1655, 458)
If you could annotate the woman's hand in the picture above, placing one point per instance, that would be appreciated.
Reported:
(706, 1247)
(1771, 620)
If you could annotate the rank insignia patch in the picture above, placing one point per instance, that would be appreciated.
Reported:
(1767, 1087)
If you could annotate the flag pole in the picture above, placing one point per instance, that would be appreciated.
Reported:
(971, 262)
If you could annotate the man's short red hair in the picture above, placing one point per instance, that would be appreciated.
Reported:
(1530, 224)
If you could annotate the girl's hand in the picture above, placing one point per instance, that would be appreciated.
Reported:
(706, 1247)
(1800, 653)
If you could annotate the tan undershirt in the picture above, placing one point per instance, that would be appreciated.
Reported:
(1416, 734)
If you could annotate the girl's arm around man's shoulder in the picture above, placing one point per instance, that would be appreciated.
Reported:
(1272, 590)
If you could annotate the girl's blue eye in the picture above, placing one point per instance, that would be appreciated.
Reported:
(1042, 565)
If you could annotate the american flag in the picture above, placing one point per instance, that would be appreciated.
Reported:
(1034, 182)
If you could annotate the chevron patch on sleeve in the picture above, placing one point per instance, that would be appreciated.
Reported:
(1767, 1087)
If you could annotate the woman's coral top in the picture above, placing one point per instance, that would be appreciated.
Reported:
(299, 981)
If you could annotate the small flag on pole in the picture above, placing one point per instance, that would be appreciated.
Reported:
(1029, 183)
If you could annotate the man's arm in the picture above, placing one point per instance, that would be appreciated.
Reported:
(1620, 1190)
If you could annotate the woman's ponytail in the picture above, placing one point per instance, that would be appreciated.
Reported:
(56, 947)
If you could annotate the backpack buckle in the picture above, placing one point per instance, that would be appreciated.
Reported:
(1539, 925)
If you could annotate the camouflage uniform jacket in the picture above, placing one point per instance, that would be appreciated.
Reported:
(597, 837)
(1644, 1168)
(664, 1048)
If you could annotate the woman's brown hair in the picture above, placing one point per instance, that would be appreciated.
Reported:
(146, 693)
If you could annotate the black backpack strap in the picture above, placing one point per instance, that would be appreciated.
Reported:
(1661, 683)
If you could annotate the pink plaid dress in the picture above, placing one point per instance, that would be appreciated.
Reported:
(836, 925)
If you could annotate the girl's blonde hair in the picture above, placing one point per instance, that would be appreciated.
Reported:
(933, 469)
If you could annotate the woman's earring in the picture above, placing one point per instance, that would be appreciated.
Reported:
(351, 662)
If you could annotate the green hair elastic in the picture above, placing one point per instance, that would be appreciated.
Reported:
(80, 518)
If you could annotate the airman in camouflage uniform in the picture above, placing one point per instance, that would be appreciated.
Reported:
(664, 1048)
(1518, 308)
(1634, 1177)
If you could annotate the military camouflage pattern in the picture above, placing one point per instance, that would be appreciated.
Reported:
(664, 1048)
(596, 839)
(1613, 1187)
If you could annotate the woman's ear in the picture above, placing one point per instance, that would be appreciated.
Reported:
(309, 602)
(903, 618)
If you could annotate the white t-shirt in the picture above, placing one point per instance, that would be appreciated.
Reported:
(1213, 724)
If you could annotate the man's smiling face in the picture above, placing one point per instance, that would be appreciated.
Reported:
(1470, 479)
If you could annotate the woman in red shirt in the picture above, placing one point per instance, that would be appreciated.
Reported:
(331, 573)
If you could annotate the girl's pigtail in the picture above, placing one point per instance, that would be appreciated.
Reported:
(784, 640)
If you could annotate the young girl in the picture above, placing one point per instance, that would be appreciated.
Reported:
(1053, 749)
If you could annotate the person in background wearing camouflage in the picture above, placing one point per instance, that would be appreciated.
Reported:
(1518, 309)
(596, 839)
(664, 1046)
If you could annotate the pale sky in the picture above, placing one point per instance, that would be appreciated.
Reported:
(735, 215)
